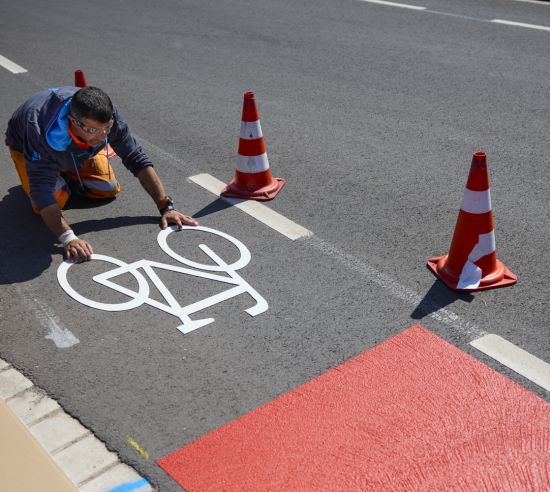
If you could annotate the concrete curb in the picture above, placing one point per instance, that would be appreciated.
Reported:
(74, 451)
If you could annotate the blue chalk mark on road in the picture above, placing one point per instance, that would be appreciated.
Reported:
(130, 487)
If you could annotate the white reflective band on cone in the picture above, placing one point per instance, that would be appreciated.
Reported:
(471, 273)
(252, 164)
(251, 130)
(476, 202)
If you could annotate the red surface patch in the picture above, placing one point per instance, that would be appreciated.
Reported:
(413, 413)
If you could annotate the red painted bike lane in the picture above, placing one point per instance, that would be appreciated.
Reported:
(412, 413)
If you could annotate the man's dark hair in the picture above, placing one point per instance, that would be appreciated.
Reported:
(91, 103)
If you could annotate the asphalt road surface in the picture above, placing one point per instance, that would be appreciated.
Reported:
(371, 112)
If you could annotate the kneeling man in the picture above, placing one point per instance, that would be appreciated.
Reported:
(58, 141)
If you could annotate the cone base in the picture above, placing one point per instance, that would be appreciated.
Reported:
(261, 194)
(501, 277)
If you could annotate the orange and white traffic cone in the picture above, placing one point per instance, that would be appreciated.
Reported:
(253, 178)
(472, 262)
(81, 81)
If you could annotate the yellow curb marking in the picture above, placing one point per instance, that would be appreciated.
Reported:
(138, 448)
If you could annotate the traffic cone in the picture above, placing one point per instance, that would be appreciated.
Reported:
(253, 178)
(81, 81)
(472, 262)
(80, 78)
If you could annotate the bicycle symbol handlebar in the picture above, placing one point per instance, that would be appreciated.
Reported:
(239, 285)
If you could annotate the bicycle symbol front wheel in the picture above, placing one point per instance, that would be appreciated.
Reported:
(244, 253)
(138, 298)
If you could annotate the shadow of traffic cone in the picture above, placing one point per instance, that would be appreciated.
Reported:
(81, 81)
(253, 178)
(472, 262)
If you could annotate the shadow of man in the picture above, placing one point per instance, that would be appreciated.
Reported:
(27, 245)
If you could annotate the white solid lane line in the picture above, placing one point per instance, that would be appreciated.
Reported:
(520, 24)
(393, 4)
(9, 65)
(515, 358)
(260, 212)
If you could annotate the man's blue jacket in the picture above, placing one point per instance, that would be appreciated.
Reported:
(39, 130)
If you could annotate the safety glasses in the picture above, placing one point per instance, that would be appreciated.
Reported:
(91, 130)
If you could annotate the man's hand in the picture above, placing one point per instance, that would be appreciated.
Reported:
(176, 218)
(79, 250)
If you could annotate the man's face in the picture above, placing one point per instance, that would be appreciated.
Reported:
(91, 131)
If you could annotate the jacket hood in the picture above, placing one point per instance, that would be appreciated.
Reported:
(57, 134)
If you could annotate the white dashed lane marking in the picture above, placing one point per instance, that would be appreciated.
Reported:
(449, 14)
(538, 2)
(521, 24)
(515, 358)
(11, 66)
(394, 4)
(260, 212)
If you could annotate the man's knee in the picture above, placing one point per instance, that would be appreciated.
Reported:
(99, 178)
(100, 189)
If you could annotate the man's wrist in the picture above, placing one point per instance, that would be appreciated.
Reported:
(165, 205)
(67, 237)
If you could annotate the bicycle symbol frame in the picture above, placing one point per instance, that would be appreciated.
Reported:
(172, 306)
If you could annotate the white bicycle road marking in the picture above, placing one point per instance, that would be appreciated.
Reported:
(172, 306)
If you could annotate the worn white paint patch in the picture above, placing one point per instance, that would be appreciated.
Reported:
(62, 337)
(57, 333)
(515, 358)
(44, 314)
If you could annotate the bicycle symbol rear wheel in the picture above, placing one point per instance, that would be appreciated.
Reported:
(138, 298)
